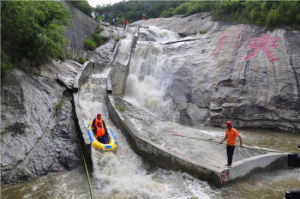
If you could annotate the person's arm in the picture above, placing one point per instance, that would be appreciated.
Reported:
(241, 142)
(223, 140)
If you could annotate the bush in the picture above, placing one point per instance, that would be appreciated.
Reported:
(167, 13)
(94, 41)
(121, 108)
(33, 30)
(83, 6)
(182, 9)
(82, 60)
(90, 44)
(202, 31)
(58, 105)
(99, 39)
(6, 65)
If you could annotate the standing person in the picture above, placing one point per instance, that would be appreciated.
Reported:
(113, 21)
(231, 134)
(124, 24)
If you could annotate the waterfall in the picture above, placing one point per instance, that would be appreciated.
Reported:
(151, 73)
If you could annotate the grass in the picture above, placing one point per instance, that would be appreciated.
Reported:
(121, 107)
(202, 31)
(59, 104)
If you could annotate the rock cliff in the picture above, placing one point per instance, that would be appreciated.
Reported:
(223, 71)
(38, 133)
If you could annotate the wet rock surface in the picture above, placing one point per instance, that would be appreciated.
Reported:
(38, 133)
(242, 73)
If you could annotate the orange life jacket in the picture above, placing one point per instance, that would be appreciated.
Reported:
(96, 122)
(100, 132)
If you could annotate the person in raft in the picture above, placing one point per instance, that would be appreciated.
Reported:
(231, 134)
(100, 132)
(96, 120)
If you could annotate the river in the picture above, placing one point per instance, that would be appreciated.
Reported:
(124, 174)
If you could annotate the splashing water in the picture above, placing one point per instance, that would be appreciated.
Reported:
(123, 174)
(150, 75)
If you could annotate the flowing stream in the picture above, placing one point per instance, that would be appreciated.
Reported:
(126, 175)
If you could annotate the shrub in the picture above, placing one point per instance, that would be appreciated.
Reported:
(121, 107)
(202, 31)
(82, 60)
(84, 6)
(90, 44)
(6, 65)
(59, 104)
(99, 39)
(33, 30)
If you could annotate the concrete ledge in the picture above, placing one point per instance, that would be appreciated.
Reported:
(168, 159)
(120, 71)
(155, 153)
(246, 167)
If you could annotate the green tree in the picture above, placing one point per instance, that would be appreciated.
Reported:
(33, 30)
(84, 6)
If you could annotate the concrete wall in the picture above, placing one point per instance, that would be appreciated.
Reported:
(82, 26)
(120, 69)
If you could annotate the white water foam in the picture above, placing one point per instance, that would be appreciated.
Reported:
(123, 174)
(149, 77)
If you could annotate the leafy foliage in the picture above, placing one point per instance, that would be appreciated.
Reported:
(269, 13)
(90, 44)
(58, 105)
(121, 107)
(82, 60)
(6, 65)
(94, 41)
(84, 6)
(33, 30)
(135, 10)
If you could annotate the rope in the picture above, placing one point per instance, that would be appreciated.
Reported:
(87, 173)
(211, 140)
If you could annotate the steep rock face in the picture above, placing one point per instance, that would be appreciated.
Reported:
(38, 135)
(241, 72)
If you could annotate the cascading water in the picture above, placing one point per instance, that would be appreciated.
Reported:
(150, 74)
(124, 174)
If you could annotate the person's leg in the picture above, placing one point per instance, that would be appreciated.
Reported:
(228, 155)
(230, 151)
